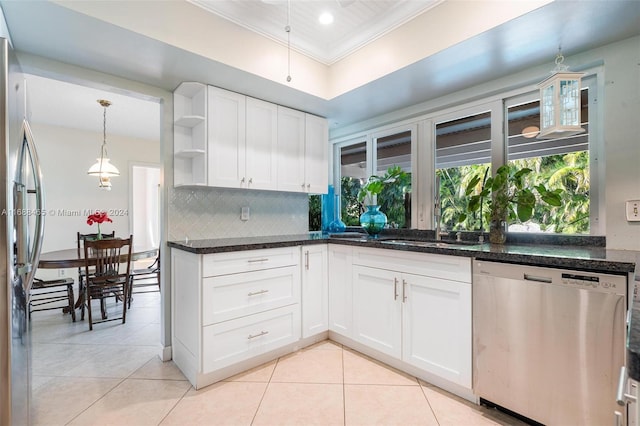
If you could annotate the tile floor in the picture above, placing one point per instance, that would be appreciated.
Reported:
(113, 376)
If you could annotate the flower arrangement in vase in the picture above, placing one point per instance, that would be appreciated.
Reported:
(98, 218)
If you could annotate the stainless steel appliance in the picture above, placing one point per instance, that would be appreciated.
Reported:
(21, 231)
(549, 343)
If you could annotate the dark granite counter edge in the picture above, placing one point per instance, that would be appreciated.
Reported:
(481, 252)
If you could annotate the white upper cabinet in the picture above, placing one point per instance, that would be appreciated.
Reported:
(190, 134)
(291, 135)
(226, 138)
(316, 150)
(262, 144)
(303, 144)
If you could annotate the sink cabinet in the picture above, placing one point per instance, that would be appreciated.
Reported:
(422, 317)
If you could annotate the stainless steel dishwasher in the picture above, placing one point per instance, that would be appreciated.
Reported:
(548, 343)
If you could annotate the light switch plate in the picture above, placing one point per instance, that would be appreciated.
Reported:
(633, 210)
(244, 215)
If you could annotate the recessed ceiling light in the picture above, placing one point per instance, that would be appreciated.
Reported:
(325, 18)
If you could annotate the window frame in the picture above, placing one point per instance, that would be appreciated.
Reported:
(423, 152)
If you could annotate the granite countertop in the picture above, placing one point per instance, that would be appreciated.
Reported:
(587, 258)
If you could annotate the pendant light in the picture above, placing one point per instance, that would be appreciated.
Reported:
(103, 169)
(560, 102)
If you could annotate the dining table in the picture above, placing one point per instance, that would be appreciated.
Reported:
(71, 258)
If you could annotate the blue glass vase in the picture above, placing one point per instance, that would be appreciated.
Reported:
(373, 221)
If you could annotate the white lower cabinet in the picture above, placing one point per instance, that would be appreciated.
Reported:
(340, 290)
(421, 318)
(231, 307)
(315, 295)
(233, 310)
(377, 311)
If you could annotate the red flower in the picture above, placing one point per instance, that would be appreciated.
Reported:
(98, 217)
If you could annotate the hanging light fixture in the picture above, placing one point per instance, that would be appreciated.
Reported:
(103, 169)
(560, 102)
(287, 29)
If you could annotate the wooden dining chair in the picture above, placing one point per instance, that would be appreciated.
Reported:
(52, 294)
(109, 277)
(143, 278)
(80, 239)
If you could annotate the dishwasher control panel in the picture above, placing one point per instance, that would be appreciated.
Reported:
(603, 283)
(589, 281)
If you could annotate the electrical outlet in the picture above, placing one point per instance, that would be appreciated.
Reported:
(633, 210)
(61, 272)
(244, 215)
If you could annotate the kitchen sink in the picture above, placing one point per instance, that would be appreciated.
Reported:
(419, 243)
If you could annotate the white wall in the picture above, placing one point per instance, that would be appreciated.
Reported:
(619, 136)
(66, 155)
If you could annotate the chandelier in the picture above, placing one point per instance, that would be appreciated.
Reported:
(103, 169)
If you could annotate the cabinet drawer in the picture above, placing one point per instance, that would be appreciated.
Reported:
(231, 296)
(233, 341)
(443, 266)
(251, 260)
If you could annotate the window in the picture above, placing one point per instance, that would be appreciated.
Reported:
(561, 163)
(475, 139)
(353, 174)
(463, 149)
(394, 201)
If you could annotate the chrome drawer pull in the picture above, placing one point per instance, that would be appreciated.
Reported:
(255, 293)
(395, 289)
(264, 259)
(262, 333)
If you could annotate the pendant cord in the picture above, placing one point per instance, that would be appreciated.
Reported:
(288, 30)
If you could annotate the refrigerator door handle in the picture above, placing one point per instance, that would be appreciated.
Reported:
(33, 256)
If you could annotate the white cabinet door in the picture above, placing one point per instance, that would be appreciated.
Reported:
(340, 289)
(262, 144)
(315, 294)
(315, 156)
(226, 138)
(291, 133)
(377, 309)
(437, 327)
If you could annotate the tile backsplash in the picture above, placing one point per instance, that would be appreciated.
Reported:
(202, 213)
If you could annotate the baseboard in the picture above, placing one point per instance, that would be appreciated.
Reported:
(164, 353)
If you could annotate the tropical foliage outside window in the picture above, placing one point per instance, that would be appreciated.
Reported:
(568, 172)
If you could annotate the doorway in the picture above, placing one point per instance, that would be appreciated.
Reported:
(145, 204)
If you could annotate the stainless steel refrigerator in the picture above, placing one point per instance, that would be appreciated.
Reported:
(21, 231)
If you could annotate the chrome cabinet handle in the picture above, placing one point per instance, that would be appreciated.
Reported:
(623, 397)
(395, 289)
(250, 180)
(306, 260)
(256, 293)
(308, 186)
(302, 185)
(243, 180)
(263, 259)
(404, 291)
(618, 415)
(253, 336)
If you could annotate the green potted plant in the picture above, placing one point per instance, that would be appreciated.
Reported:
(509, 199)
(373, 220)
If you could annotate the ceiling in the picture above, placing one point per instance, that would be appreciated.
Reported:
(50, 30)
(356, 22)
